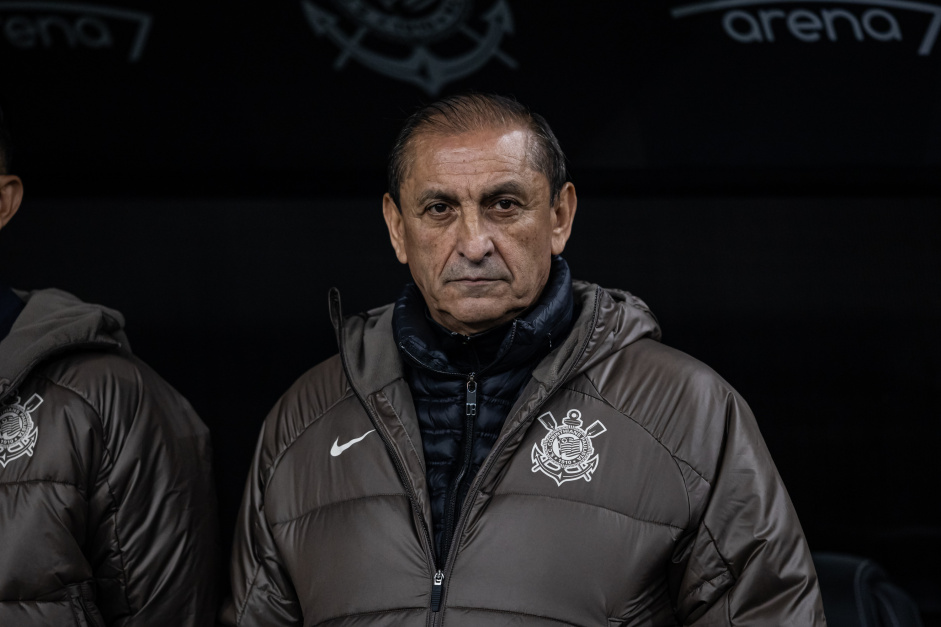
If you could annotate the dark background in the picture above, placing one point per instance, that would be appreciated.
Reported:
(209, 172)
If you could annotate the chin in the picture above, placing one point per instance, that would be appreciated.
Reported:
(480, 317)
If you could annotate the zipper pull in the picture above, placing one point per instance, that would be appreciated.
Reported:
(470, 409)
(437, 587)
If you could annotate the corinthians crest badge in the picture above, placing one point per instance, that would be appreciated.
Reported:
(566, 453)
(18, 432)
(428, 43)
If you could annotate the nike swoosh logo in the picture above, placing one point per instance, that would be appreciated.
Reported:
(336, 450)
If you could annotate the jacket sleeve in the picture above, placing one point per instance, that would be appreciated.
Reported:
(262, 591)
(747, 562)
(155, 539)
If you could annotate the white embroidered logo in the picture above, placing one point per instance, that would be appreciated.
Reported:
(566, 453)
(336, 450)
(18, 432)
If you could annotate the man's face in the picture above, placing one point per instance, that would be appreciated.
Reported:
(476, 228)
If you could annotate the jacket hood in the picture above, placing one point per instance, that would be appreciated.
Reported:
(607, 321)
(51, 323)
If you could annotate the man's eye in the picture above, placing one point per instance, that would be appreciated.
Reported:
(437, 209)
(505, 204)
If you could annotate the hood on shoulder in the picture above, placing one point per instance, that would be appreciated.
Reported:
(609, 320)
(53, 322)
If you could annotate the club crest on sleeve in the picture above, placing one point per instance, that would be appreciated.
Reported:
(567, 453)
(18, 432)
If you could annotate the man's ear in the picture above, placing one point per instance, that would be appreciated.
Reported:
(11, 195)
(396, 224)
(563, 213)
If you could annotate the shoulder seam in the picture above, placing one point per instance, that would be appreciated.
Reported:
(276, 460)
(677, 460)
(672, 454)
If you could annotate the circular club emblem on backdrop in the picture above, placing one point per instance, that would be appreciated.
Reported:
(428, 43)
(18, 432)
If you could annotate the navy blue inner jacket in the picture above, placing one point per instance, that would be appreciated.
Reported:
(440, 364)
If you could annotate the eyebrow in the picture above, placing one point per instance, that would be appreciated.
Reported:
(507, 187)
(436, 194)
(512, 188)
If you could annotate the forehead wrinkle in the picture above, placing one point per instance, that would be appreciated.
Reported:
(452, 143)
(475, 161)
(441, 157)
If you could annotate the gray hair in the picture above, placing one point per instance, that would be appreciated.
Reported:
(472, 112)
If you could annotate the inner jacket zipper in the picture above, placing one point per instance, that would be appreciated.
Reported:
(470, 415)
(497, 452)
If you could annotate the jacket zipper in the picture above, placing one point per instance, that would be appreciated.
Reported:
(437, 580)
(437, 577)
(495, 454)
(437, 588)
(410, 493)
(470, 415)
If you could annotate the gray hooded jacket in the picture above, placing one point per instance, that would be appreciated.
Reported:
(107, 511)
(629, 486)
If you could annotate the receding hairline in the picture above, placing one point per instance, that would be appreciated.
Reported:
(466, 113)
(503, 127)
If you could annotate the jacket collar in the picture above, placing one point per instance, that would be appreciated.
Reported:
(425, 343)
(606, 321)
(53, 322)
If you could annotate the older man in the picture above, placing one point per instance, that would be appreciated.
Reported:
(107, 510)
(504, 445)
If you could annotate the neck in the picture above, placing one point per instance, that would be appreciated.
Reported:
(432, 345)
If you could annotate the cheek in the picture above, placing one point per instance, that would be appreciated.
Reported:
(529, 260)
(428, 254)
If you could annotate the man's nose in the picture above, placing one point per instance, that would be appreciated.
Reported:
(475, 242)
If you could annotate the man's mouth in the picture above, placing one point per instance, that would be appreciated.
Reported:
(475, 280)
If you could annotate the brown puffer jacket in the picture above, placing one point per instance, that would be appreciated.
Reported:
(107, 511)
(629, 486)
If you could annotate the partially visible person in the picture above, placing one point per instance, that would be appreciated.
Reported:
(107, 508)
